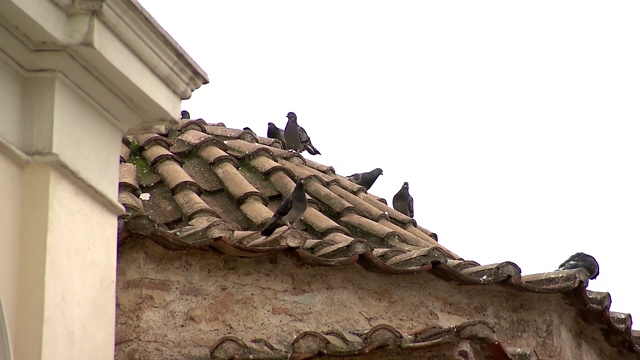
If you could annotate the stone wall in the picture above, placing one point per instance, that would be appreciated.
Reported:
(176, 304)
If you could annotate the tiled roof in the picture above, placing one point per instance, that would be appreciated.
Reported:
(473, 339)
(212, 187)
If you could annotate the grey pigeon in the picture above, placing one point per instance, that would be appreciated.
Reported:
(402, 201)
(582, 260)
(290, 211)
(306, 142)
(274, 132)
(366, 179)
(184, 115)
(292, 133)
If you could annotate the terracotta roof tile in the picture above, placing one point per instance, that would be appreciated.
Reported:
(472, 339)
(129, 176)
(149, 140)
(124, 152)
(212, 187)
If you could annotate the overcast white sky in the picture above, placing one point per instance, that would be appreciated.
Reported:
(515, 123)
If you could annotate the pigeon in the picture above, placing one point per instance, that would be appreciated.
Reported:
(306, 142)
(290, 211)
(184, 115)
(292, 133)
(274, 132)
(402, 201)
(366, 179)
(582, 260)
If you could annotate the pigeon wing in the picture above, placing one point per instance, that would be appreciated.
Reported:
(276, 219)
(410, 206)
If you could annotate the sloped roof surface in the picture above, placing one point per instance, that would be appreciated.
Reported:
(212, 187)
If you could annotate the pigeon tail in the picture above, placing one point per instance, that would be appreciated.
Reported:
(271, 227)
(312, 149)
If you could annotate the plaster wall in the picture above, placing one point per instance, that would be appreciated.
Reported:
(176, 304)
(67, 261)
(79, 282)
(84, 138)
(10, 184)
(10, 103)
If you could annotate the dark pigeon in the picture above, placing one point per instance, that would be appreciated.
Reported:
(402, 200)
(290, 211)
(366, 179)
(582, 260)
(292, 133)
(306, 142)
(184, 115)
(274, 132)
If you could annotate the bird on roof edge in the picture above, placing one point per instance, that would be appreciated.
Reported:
(582, 260)
(290, 210)
(365, 179)
(402, 200)
(291, 133)
(184, 115)
(274, 132)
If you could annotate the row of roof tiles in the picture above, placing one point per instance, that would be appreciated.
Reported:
(472, 339)
(208, 186)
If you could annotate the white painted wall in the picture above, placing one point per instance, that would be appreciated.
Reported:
(79, 281)
(10, 181)
(74, 76)
(84, 137)
(10, 103)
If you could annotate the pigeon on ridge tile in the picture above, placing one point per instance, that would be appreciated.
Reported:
(582, 260)
(306, 142)
(402, 200)
(290, 211)
(366, 179)
(184, 115)
(292, 133)
(274, 132)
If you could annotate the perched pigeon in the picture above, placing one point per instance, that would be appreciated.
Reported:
(292, 133)
(306, 142)
(184, 115)
(290, 211)
(366, 179)
(402, 201)
(582, 260)
(274, 132)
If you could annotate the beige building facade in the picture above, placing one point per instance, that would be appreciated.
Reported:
(76, 75)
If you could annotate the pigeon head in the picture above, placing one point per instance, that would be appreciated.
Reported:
(184, 114)
(300, 182)
(292, 116)
(271, 125)
(377, 171)
(405, 185)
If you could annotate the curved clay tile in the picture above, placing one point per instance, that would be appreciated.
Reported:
(195, 124)
(191, 204)
(175, 176)
(213, 155)
(266, 166)
(229, 133)
(237, 186)
(148, 140)
(327, 197)
(124, 152)
(369, 211)
(250, 149)
(129, 176)
(156, 153)
(321, 224)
